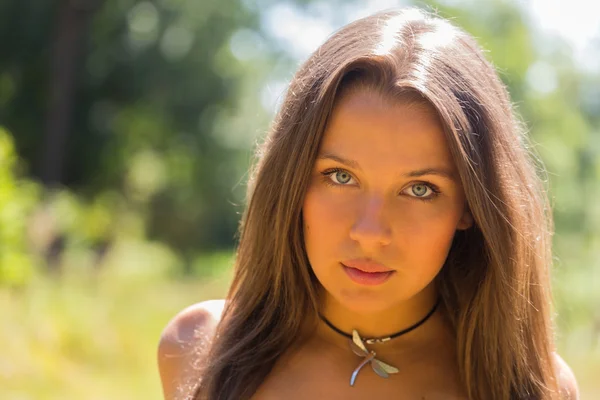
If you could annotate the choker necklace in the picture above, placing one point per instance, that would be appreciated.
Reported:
(357, 344)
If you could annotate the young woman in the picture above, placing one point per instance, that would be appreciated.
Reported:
(396, 241)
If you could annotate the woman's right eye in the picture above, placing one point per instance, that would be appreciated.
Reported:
(337, 177)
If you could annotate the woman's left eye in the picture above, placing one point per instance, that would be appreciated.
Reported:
(424, 191)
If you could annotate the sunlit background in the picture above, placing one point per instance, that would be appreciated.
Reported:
(126, 131)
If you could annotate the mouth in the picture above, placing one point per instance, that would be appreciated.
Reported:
(368, 278)
(366, 265)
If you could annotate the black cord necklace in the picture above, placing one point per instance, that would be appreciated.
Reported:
(357, 345)
(386, 338)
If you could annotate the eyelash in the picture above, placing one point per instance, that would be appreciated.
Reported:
(327, 179)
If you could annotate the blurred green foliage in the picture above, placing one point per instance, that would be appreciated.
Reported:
(17, 200)
(91, 338)
(169, 101)
(157, 93)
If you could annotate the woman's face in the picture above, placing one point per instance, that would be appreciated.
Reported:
(384, 188)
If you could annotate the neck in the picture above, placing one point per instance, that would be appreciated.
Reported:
(383, 322)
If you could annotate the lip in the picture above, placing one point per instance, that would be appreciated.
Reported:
(366, 265)
(367, 278)
(366, 272)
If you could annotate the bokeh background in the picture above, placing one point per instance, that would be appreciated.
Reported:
(126, 131)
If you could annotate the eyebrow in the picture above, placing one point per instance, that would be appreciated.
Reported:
(439, 171)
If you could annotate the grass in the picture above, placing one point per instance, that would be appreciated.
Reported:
(90, 338)
(95, 337)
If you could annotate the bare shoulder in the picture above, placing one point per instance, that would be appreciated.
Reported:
(190, 330)
(566, 379)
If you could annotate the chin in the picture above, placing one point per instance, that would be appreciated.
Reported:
(366, 301)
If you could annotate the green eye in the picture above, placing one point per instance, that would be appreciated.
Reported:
(423, 191)
(342, 177)
(337, 177)
(420, 189)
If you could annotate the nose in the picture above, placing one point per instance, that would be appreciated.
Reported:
(370, 228)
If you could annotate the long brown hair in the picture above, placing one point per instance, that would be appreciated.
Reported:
(494, 283)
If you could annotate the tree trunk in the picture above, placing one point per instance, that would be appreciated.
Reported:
(67, 53)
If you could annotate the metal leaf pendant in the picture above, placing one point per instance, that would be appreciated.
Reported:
(358, 347)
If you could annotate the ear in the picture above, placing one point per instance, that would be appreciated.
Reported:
(465, 221)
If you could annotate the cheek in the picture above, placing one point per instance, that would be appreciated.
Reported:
(426, 235)
(327, 218)
(322, 221)
(426, 223)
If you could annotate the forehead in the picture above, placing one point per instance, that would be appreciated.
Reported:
(364, 124)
